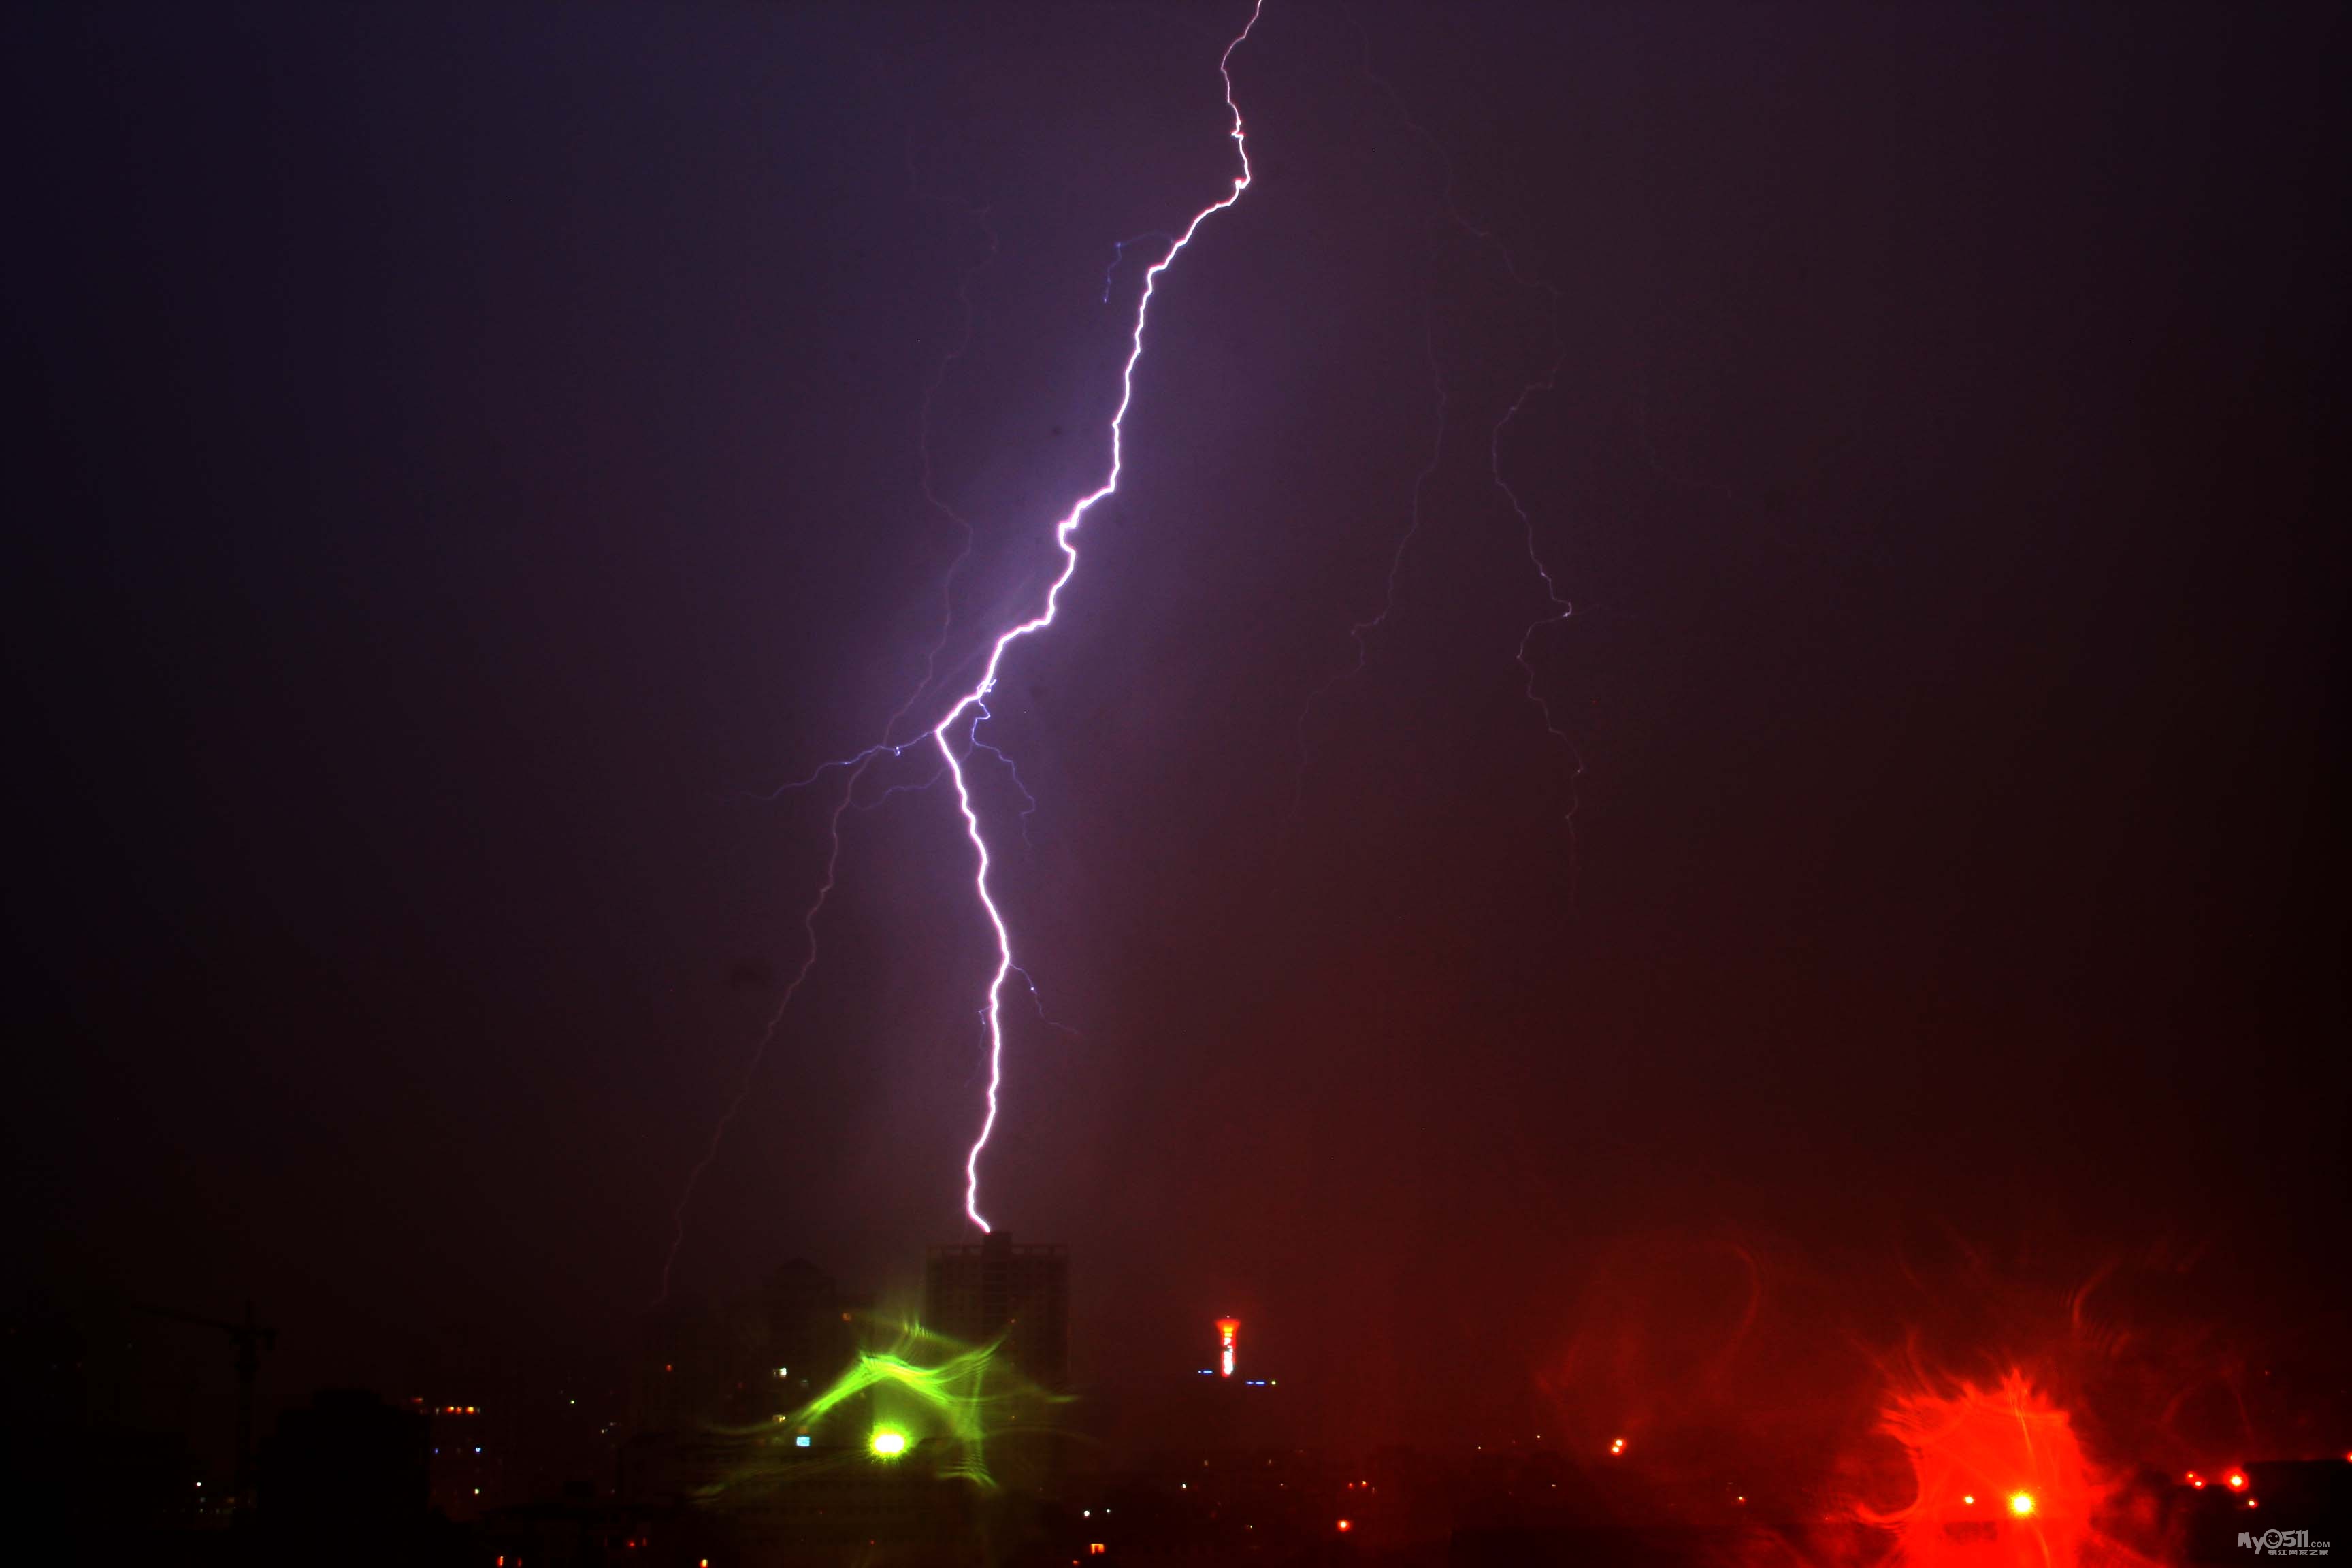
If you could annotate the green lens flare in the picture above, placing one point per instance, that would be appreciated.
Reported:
(928, 1393)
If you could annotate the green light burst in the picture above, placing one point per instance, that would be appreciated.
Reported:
(943, 1401)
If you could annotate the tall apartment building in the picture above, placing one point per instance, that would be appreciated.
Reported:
(976, 1293)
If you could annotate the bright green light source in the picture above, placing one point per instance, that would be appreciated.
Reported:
(948, 1398)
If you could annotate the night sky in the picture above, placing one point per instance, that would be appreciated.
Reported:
(467, 458)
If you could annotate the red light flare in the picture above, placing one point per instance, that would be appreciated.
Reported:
(2009, 1443)
(1228, 1331)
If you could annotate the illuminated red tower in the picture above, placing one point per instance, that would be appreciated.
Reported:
(1228, 1331)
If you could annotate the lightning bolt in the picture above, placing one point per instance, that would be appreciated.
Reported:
(972, 701)
(1557, 606)
(940, 368)
(1118, 254)
(1360, 633)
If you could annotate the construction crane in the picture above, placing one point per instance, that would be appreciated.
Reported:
(250, 1338)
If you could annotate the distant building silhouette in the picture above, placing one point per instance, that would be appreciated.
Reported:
(465, 1467)
(345, 1481)
(347, 1459)
(976, 1293)
(806, 1327)
(762, 1356)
